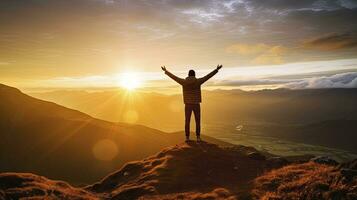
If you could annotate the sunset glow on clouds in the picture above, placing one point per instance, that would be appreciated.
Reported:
(87, 43)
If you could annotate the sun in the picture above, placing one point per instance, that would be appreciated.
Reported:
(129, 80)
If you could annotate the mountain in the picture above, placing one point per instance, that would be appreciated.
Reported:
(186, 169)
(48, 139)
(181, 168)
(313, 116)
(199, 171)
(228, 107)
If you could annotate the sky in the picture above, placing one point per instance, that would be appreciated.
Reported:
(261, 44)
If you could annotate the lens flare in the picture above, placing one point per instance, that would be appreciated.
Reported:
(105, 150)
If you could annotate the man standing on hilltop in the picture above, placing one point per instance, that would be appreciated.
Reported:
(191, 87)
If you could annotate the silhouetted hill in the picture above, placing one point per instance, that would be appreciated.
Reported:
(193, 169)
(200, 171)
(201, 167)
(26, 186)
(48, 139)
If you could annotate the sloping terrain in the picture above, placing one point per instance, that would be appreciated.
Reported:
(281, 106)
(185, 168)
(192, 170)
(199, 171)
(312, 116)
(308, 181)
(45, 138)
(30, 186)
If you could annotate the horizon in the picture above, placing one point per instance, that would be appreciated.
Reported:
(289, 76)
(178, 99)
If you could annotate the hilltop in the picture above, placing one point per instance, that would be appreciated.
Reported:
(185, 169)
(200, 171)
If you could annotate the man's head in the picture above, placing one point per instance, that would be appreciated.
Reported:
(191, 73)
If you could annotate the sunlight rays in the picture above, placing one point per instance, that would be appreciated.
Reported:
(129, 80)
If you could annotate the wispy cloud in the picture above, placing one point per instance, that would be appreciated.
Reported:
(83, 37)
(261, 54)
(335, 41)
(343, 80)
(4, 63)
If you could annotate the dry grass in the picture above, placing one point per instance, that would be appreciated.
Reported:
(30, 186)
(216, 194)
(182, 169)
(308, 181)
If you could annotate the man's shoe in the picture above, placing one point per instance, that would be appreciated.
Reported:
(199, 139)
(187, 139)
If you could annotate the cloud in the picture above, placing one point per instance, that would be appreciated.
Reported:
(248, 49)
(175, 32)
(335, 41)
(4, 63)
(273, 56)
(303, 4)
(252, 82)
(344, 80)
(261, 53)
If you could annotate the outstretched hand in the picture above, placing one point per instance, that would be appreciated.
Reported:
(163, 68)
(219, 67)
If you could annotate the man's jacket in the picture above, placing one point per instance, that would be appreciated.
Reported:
(191, 86)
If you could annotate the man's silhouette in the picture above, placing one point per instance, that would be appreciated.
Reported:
(191, 87)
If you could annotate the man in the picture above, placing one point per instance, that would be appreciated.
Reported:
(191, 87)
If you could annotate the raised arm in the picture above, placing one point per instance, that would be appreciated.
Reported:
(208, 76)
(175, 78)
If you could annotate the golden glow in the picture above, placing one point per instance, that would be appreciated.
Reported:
(131, 116)
(129, 80)
(175, 106)
(105, 150)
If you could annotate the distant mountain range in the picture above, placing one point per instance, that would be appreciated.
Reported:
(40, 137)
(326, 117)
(164, 112)
(48, 139)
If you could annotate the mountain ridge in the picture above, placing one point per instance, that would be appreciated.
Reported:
(37, 135)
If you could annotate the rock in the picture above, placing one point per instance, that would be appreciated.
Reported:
(348, 173)
(256, 156)
(324, 160)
